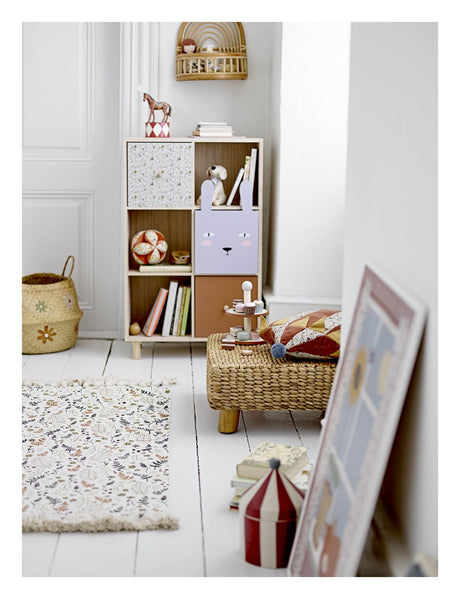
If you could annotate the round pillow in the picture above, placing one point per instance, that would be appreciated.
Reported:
(148, 247)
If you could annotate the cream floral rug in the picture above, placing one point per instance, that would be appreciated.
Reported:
(95, 456)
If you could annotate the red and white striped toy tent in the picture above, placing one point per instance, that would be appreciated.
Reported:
(268, 517)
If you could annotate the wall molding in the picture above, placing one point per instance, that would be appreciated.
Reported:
(139, 59)
(84, 152)
(83, 202)
(280, 306)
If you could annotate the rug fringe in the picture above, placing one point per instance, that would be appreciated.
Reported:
(108, 380)
(160, 521)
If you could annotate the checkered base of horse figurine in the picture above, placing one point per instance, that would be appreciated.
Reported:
(153, 129)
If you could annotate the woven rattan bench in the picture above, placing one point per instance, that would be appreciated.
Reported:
(258, 381)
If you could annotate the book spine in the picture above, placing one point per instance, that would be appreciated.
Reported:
(181, 311)
(252, 167)
(155, 313)
(183, 326)
(235, 186)
(247, 164)
(180, 292)
(212, 133)
(169, 308)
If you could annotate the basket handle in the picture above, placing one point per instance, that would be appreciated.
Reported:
(65, 266)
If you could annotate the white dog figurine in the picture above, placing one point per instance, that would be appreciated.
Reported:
(217, 173)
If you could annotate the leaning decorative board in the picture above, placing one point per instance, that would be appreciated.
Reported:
(370, 385)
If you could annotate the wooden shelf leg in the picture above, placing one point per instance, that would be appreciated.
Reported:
(137, 350)
(228, 421)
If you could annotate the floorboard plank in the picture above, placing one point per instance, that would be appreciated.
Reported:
(38, 550)
(176, 553)
(219, 454)
(120, 362)
(46, 366)
(308, 425)
(88, 358)
(95, 554)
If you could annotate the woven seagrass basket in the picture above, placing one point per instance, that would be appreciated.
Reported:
(261, 382)
(50, 312)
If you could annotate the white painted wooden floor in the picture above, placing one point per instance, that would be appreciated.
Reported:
(202, 462)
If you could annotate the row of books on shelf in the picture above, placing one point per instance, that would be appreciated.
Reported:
(295, 464)
(246, 173)
(175, 304)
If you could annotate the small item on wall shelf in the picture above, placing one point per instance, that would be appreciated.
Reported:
(211, 51)
(188, 46)
(216, 173)
(135, 328)
(154, 128)
(149, 247)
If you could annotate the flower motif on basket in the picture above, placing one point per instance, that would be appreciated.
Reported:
(40, 306)
(46, 334)
(69, 301)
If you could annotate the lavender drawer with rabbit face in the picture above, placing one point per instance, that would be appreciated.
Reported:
(226, 241)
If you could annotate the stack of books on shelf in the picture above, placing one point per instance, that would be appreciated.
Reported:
(247, 173)
(213, 129)
(295, 464)
(175, 304)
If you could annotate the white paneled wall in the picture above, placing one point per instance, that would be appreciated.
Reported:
(71, 162)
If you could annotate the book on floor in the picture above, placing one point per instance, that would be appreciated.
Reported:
(239, 485)
(155, 313)
(173, 285)
(256, 463)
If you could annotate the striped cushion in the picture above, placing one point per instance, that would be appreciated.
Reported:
(308, 335)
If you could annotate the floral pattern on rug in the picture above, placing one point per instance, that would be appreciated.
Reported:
(95, 456)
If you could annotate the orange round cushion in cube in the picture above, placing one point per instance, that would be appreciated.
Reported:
(149, 247)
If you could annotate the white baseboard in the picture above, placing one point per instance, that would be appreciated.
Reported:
(280, 306)
(99, 335)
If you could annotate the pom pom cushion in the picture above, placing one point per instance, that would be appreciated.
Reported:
(308, 335)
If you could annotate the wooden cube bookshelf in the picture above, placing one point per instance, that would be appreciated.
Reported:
(162, 182)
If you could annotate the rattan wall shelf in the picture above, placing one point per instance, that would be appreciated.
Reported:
(211, 51)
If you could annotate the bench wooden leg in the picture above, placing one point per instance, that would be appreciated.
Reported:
(137, 350)
(228, 421)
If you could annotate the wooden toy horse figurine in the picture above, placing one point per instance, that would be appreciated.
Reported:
(154, 105)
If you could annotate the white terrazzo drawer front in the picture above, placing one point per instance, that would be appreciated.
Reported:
(160, 175)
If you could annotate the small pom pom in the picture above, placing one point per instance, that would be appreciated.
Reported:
(274, 463)
(278, 350)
